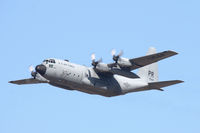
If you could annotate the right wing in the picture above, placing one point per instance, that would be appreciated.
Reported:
(27, 81)
(146, 60)
(149, 59)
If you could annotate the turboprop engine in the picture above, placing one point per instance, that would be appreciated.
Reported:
(98, 65)
(122, 62)
(102, 67)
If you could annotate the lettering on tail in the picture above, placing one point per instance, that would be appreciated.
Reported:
(151, 75)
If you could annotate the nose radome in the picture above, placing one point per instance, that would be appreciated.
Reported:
(41, 69)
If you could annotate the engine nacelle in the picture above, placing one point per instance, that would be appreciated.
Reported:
(124, 62)
(102, 67)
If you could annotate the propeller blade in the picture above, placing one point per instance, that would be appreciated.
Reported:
(100, 60)
(31, 68)
(113, 52)
(95, 63)
(121, 53)
(116, 57)
(93, 57)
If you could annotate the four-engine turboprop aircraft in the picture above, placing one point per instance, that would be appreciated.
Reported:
(103, 79)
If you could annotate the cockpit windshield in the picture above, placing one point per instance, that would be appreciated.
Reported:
(49, 61)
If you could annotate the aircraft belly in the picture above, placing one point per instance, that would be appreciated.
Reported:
(56, 84)
(95, 86)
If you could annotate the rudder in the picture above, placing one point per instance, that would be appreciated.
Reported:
(149, 73)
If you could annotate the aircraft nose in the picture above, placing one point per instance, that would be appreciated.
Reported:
(41, 69)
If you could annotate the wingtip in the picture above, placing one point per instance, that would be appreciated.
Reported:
(180, 81)
(173, 52)
(12, 82)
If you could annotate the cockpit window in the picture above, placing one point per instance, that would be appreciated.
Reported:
(50, 61)
(46, 61)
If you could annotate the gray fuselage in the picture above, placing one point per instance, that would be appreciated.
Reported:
(71, 76)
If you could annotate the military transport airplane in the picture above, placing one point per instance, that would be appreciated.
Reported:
(103, 79)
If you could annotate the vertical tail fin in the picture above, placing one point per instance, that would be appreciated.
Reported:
(149, 73)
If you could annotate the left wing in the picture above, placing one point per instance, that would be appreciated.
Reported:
(27, 81)
(146, 60)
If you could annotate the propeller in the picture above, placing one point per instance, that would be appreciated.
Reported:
(93, 57)
(116, 57)
(31, 69)
(95, 63)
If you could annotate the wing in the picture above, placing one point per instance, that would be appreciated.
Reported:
(146, 60)
(149, 59)
(27, 81)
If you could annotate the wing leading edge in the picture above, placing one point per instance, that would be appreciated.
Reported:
(27, 81)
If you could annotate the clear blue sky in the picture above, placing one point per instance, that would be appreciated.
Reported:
(33, 30)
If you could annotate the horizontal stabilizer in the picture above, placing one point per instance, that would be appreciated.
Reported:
(27, 81)
(161, 84)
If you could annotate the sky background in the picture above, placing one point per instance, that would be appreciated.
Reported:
(33, 30)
